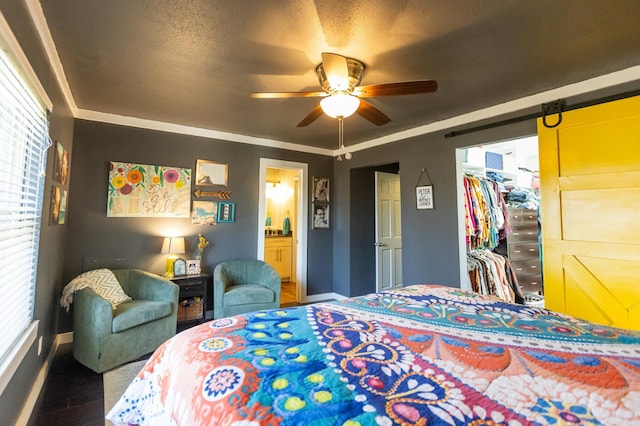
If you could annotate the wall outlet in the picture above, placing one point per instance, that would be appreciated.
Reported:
(39, 345)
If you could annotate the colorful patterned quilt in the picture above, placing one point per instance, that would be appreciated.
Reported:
(420, 355)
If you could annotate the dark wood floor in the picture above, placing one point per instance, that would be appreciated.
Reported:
(72, 394)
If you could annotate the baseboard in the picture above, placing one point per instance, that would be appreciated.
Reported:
(30, 403)
(324, 297)
(64, 338)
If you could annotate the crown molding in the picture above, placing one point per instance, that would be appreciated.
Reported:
(195, 131)
(37, 16)
(626, 75)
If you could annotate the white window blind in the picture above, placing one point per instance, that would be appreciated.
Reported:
(23, 143)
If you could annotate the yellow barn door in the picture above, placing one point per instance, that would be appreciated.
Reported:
(590, 195)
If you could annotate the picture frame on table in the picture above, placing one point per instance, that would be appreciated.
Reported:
(193, 267)
(179, 267)
(211, 173)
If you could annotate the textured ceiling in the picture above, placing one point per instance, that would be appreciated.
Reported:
(195, 63)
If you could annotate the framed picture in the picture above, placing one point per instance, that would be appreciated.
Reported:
(62, 214)
(211, 173)
(61, 164)
(424, 197)
(147, 190)
(179, 267)
(56, 198)
(320, 215)
(226, 211)
(204, 213)
(320, 189)
(193, 267)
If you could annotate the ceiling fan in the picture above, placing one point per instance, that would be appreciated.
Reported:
(339, 79)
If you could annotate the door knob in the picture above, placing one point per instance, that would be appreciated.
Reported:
(378, 244)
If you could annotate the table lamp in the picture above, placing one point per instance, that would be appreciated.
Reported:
(172, 246)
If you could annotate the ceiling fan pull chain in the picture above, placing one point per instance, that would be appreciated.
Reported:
(340, 136)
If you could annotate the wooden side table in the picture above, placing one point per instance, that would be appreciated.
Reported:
(192, 299)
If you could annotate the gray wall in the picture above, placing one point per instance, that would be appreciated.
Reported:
(363, 228)
(49, 278)
(92, 234)
(429, 237)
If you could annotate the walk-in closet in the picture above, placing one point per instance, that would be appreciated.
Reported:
(500, 221)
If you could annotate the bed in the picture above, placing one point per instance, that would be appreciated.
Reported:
(423, 354)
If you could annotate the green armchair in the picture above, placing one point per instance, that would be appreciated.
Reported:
(104, 338)
(241, 286)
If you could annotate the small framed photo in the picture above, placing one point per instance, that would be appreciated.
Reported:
(193, 267)
(320, 215)
(321, 189)
(211, 173)
(424, 197)
(56, 199)
(179, 267)
(226, 211)
(204, 213)
(61, 164)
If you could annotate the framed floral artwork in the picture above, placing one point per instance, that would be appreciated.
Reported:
(141, 190)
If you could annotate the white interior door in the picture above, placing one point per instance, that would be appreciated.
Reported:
(388, 232)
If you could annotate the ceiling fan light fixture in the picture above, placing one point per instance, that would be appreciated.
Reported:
(340, 105)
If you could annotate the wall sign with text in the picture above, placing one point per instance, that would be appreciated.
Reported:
(226, 211)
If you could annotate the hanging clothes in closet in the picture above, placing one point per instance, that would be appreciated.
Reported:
(486, 215)
(486, 222)
(490, 273)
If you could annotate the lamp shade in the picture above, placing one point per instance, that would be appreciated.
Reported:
(173, 245)
(340, 105)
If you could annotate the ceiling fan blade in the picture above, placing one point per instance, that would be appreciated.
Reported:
(373, 114)
(393, 89)
(274, 95)
(337, 70)
(311, 117)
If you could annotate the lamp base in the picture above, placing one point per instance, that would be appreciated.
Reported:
(169, 271)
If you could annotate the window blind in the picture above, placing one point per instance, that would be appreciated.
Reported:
(23, 143)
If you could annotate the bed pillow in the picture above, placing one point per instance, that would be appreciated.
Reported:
(105, 284)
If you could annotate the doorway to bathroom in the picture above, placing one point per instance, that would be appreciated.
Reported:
(282, 227)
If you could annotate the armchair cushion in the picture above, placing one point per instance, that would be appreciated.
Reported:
(247, 294)
(244, 285)
(138, 312)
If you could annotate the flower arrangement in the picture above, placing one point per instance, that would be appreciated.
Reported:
(202, 243)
